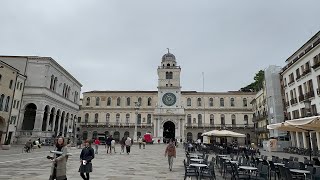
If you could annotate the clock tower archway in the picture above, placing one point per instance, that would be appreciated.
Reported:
(169, 109)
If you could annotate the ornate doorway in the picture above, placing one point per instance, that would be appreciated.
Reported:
(168, 131)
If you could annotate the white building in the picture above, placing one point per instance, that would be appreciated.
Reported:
(168, 112)
(50, 98)
(301, 78)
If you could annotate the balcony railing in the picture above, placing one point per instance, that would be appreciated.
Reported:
(309, 94)
(287, 104)
(293, 101)
(220, 126)
(114, 124)
(301, 97)
(262, 129)
(315, 66)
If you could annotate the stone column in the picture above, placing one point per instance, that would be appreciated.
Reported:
(298, 140)
(64, 127)
(304, 138)
(318, 139)
(293, 142)
(155, 128)
(48, 120)
(310, 139)
(58, 129)
(53, 122)
(38, 120)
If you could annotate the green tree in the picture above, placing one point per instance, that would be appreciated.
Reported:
(257, 84)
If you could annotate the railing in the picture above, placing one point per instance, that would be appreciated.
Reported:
(114, 124)
(301, 97)
(219, 126)
(315, 66)
(169, 67)
(293, 101)
(309, 94)
(262, 129)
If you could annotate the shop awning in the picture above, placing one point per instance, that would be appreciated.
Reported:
(298, 125)
(223, 133)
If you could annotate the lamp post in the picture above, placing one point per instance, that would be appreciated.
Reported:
(307, 104)
(136, 108)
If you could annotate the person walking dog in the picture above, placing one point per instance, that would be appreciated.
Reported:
(171, 153)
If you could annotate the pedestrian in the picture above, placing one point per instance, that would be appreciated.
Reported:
(79, 142)
(128, 145)
(108, 142)
(97, 143)
(113, 146)
(122, 143)
(59, 161)
(144, 143)
(86, 156)
(140, 142)
(171, 153)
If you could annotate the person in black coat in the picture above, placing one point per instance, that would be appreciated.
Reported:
(87, 154)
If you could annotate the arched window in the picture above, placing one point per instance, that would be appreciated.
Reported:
(189, 102)
(211, 102)
(189, 119)
(88, 101)
(232, 102)
(127, 118)
(245, 118)
(221, 102)
(109, 101)
(118, 118)
(6, 108)
(169, 75)
(118, 101)
(51, 82)
(149, 119)
(245, 103)
(1, 102)
(116, 136)
(86, 118)
(189, 136)
(85, 135)
(107, 118)
(126, 134)
(64, 88)
(194, 120)
(149, 101)
(96, 118)
(222, 120)
(55, 83)
(211, 119)
(199, 101)
(139, 119)
(128, 101)
(11, 83)
(233, 120)
(140, 101)
(97, 101)
(199, 119)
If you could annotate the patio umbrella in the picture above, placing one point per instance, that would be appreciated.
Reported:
(223, 133)
(308, 124)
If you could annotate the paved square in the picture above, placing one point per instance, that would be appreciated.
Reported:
(148, 163)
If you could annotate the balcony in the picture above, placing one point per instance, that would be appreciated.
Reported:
(307, 71)
(298, 77)
(293, 101)
(261, 129)
(114, 124)
(315, 66)
(287, 104)
(220, 126)
(291, 82)
(309, 94)
(301, 97)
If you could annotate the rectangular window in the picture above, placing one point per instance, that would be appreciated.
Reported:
(14, 103)
(298, 73)
(18, 104)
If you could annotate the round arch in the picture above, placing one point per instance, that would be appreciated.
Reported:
(168, 130)
(189, 136)
(116, 136)
(29, 117)
(126, 134)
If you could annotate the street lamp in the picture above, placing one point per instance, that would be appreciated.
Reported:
(307, 104)
(136, 108)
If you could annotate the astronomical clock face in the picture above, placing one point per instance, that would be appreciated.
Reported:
(169, 99)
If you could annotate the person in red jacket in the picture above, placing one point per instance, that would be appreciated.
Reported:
(97, 143)
(171, 153)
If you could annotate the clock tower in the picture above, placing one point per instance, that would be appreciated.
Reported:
(169, 114)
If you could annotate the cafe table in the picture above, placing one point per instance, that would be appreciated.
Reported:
(199, 166)
(248, 168)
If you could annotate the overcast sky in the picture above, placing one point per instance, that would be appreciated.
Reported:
(118, 45)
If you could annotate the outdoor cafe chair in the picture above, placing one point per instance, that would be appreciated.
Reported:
(209, 171)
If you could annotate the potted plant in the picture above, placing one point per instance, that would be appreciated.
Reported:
(6, 145)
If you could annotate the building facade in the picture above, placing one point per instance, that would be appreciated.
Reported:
(8, 78)
(168, 112)
(301, 78)
(50, 102)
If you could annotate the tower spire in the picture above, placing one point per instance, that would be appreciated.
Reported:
(168, 50)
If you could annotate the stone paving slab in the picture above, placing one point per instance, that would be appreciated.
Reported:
(141, 164)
